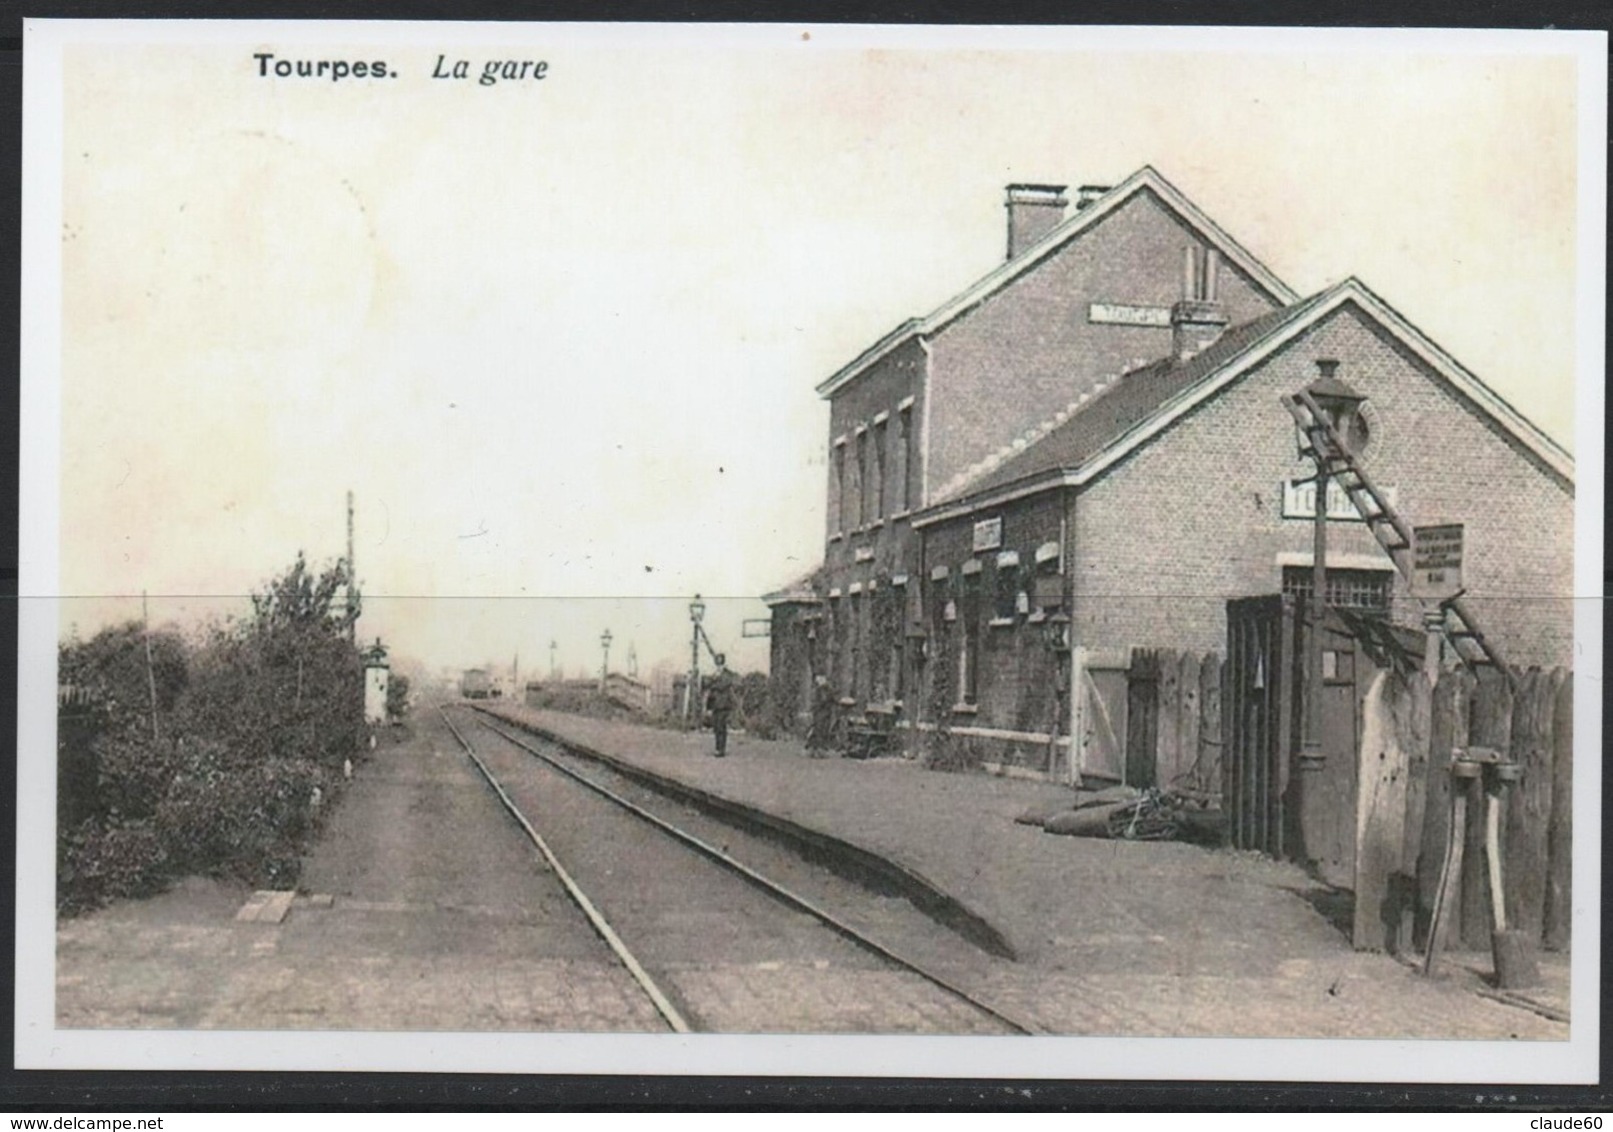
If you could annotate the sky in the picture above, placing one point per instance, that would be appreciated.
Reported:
(560, 337)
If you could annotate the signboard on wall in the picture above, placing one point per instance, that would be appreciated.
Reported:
(988, 534)
(1436, 562)
(1299, 501)
(756, 627)
(1128, 314)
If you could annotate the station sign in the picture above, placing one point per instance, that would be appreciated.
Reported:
(988, 534)
(1436, 562)
(1299, 501)
(1128, 314)
(756, 627)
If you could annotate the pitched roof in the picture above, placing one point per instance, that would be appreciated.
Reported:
(1146, 401)
(1146, 178)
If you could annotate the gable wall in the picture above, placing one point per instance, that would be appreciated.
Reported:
(1029, 350)
(1195, 517)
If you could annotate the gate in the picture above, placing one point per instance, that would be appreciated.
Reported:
(1259, 721)
(1279, 801)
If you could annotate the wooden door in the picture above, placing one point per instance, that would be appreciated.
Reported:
(1098, 720)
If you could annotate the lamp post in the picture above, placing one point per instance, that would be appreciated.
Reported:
(1340, 405)
(604, 663)
(691, 697)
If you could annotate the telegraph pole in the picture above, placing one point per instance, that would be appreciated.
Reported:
(352, 576)
(554, 670)
(151, 675)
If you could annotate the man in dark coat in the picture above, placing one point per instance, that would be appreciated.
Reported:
(820, 736)
(720, 703)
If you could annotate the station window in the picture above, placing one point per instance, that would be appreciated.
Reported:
(1008, 584)
(910, 461)
(858, 635)
(876, 469)
(1366, 590)
(969, 650)
(861, 514)
(845, 517)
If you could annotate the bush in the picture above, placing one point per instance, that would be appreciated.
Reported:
(255, 717)
(97, 863)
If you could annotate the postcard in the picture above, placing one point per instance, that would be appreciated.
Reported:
(569, 548)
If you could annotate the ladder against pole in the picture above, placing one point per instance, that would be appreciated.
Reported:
(1334, 460)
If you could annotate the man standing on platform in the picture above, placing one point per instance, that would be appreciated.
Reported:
(720, 702)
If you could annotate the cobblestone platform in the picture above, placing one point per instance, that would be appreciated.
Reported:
(1168, 937)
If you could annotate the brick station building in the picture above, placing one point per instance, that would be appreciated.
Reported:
(1094, 431)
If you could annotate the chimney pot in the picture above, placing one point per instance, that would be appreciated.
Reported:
(1033, 212)
(1087, 194)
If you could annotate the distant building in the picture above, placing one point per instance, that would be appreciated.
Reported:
(1093, 430)
(377, 677)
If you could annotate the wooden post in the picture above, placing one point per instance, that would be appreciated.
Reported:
(1209, 737)
(1446, 902)
(1490, 726)
(1187, 723)
(1388, 733)
(1415, 742)
(1528, 805)
(151, 674)
(1560, 834)
(1142, 718)
(1167, 749)
(1078, 714)
(1447, 730)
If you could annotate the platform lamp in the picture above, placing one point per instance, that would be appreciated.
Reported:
(1340, 406)
(604, 662)
(691, 698)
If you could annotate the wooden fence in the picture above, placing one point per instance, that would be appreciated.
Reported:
(1171, 729)
(1173, 738)
(1404, 807)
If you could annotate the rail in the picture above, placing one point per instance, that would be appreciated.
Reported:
(773, 888)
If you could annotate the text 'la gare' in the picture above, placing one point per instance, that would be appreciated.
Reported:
(494, 70)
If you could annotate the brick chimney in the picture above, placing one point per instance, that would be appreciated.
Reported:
(1197, 320)
(1033, 212)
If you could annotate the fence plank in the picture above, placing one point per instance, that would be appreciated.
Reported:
(1209, 738)
(1167, 758)
(1528, 806)
(1490, 725)
(1380, 810)
(1560, 836)
(1142, 717)
(1187, 722)
(1415, 740)
(1447, 730)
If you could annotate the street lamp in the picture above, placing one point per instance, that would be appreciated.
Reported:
(604, 664)
(691, 698)
(1340, 406)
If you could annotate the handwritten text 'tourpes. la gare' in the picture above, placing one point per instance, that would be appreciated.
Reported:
(335, 70)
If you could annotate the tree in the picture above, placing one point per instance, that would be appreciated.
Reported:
(397, 696)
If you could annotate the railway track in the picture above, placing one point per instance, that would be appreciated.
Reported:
(665, 887)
